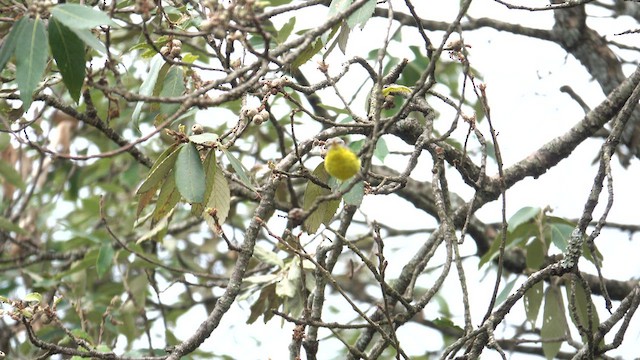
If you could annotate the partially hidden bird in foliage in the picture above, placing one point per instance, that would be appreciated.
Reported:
(340, 162)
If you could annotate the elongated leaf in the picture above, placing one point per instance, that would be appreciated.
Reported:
(338, 6)
(160, 169)
(209, 165)
(68, 51)
(144, 199)
(532, 301)
(90, 39)
(167, 200)
(219, 199)
(559, 234)
(172, 86)
(158, 231)
(239, 168)
(9, 45)
(76, 16)
(362, 15)
(105, 256)
(355, 195)
(522, 216)
(286, 30)
(267, 256)
(148, 84)
(502, 296)
(204, 139)
(324, 213)
(31, 59)
(9, 174)
(554, 325)
(307, 54)
(189, 174)
(583, 303)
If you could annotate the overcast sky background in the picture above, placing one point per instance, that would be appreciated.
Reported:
(523, 78)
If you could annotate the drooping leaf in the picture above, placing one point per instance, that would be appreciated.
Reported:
(90, 40)
(209, 165)
(362, 15)
(68, 51)
(502, 296)
(338, 6)
(189, 174)
(307, 54)
(76, 16)
(532, 301)
(238, 168)
(204, 139)
(31, 59)
(582, 304)
(167, 200)
(324, 213)
(535, 252)
(105, 257)
(158, 230)
(355, 195)
(559, 233)
(219, 200)
(267, 256)
(9, 45)
(172, 86)
(381, 151)
(148, 84)
(554, 325)
(522, 216)
(286, 30)
(160, 169)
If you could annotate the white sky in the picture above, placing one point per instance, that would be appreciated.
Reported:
(523, 78)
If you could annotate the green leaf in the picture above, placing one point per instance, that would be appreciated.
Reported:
(338, 6)
(522, 216)
(160, 169)
(307, 54)
(158, 230)
(286, 30)
(267, 256)
(535, 253)
(204, 139)
(9, 174)
(34, 296)
(220, 199)
(238, 168)
(90, 39)
(9, 45)
(148, 84)
(172, 86)
(554, 325)
(209, 165)
(76, 16)
(167, 200)
(189, 174)
(355, 195)
(104, 260)
(68, 51)
(31, 59)
(324, 213)
(583, 303)
(559, 232)
(532, 302)
(502, 296)
(362, 15)
(381, 151)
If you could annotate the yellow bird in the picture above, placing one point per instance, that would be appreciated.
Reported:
(340, 162)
